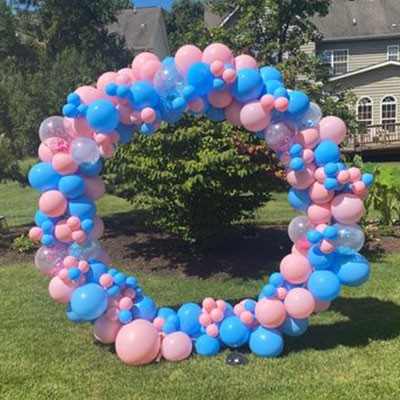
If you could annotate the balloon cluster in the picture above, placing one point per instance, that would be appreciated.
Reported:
(326, 238)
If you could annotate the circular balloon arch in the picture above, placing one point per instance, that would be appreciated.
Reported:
(326, 238)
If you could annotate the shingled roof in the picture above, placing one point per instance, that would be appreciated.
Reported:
(359, 19)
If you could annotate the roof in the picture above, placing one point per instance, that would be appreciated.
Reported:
(139, 26)
(349, 19)
(366, 69)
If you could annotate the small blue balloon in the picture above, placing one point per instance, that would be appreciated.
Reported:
(82, 207)
(200, 77)
(125, 316)
(324, 285)
(43, 177)
(96, 269)
(318, 259)
(207, 346)
(269, 290)
(326, 152)
(248, 85)
(102, 116)
(273, 85)
(145, 309)
(89, 301)
(294, 327)
(352, 270)
(233, 332)
(299, 199)
(91, 170)
(188, 315)
(276, 279)
(71, 186)
(298, 104)
(266, 342)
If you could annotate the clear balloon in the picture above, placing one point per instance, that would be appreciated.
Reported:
(86, 251)
(298, 228)
(311, 118)
(169, 82)
(55, 127)
(349, 237)
(85, 151)
(279, 136)
(48, 260)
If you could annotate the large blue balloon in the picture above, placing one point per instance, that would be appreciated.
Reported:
(82, 207)
(248, 85)
(270, 73)
(145, 309)
(188, 315)
(326, 152)
(352, 270)
(144, 95)
(233, 332)
(43, 177)
(324, 285)
(71, 186)
(266, 342)
(89, 301)
(299, 199)
(294, 327)
(207, 346)
(200, 77)
(318, 259)
(102, 116)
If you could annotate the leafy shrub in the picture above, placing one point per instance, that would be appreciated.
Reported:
(23, 244)
(196, 178)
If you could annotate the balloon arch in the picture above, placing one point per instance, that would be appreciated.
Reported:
(326, 238)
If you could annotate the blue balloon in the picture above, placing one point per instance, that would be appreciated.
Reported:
(326, 152)
(144, 95)
(276, 279)
(298, 104)
(248, 85)
(318, 259)
(294, 327)
(215, 114)
(72, 316)
(188, 315)
(145, 309)
(299, 199)
(200, 77)
(82, 207)
(324, 285)
(270, 73)
(91, 170)
(125, 132)
(71, 186)
(273, 85)
(352, 270)
(102, 116)
(266, 342)
(207, 346)
(85, 251)
(40, 218)
(233, 332)
(166, 312)
(96, 269)
(43, 177)
(89, 301)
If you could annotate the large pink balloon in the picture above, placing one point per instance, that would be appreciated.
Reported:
(217, 52)
(299, 303)
(149, 69)
(88, 94)
(347, 208)
(270, 313)
(319, 213)
(140, 59)
(64, 164)
(53, 203)
(220, 99)
(105, 79)
(308, 138)
(232, 113)
(186, 56)
(176, 346)
(245, 61)
(332, 128)
(295, 268)
(254, 117)
(138, 343)
(59, 291)
(106, 330)
(319, 194)
(301, 179)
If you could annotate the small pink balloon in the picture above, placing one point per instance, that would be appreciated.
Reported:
(217, 68)
(295, 268)
(281, 292)
(229, 76)
(281, 104)
(124, 111)
(138, 342)
(254, 117)
(319, 194)
(320, 174)
(140, 60)
(45, 154)
(70, 261)
(159, 323)
(186, 56)
(238, 309)
(267, 101)
(221, 304)
(74, 223)
(359, 188)
(35, 233)
(205, 319)
(321, 306)
(63, 232)
(59, 291)
(149, 69)
(343, 177)
(332, 128)
(88, 94)
(209, 304)
(125, 303)
(176, 346)
(148, 115)
(217, 315)
(308, 138)
(319, 213)
(355, 174)
(247, 317)
(106, 280)
(106, 330)
(301, 179)
(326, 246)
(220, 99)
(308, 156)
(83, 265)
(53, 203)
(196, 104)
(217, 52)
(347, 208)
(232, 113)
(212, 330)
(270, 313)
(79, 236)
(94, 187)
(245, 61)
(64, 164)
(299, 303)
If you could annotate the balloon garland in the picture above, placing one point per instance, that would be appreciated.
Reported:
(326, 238)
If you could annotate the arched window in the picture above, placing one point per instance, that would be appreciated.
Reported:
(364, 111)
(389, 111)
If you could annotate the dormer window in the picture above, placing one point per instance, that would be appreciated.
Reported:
(337, 60)
(393, 53)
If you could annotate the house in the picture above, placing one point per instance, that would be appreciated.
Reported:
(143, 30)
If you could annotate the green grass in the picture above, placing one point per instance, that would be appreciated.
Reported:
(351, 352)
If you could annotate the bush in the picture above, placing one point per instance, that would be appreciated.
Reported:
(196, 178)
(23, 244)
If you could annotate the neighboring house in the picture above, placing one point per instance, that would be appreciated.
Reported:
(143, 30)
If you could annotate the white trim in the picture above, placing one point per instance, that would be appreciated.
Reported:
(393, 46)
(381, 104)
(367, 69)
(332, 57)
(372, 108)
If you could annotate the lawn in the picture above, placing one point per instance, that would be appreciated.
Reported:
(351, 352)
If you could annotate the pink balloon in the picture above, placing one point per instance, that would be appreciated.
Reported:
(88, 94)
(301, 179)
(299, 303)
(319, 213)
(299, 250)
(186, 56)
(321, 306)
(140, 59)
(106, 330)
(35, 233)
(105, 79)
(308, 138)
(220, 99)
(217, 52)
(347, 208)
(176, 346)
(64, 164)
(319, 194)
(63, 232)
(149, 69)
(138, 342)
(270, 313)
(94, 187)
(129, 72)
(53, 203)
(59, 291)
(232, 113)
(125, 111)
(254, 117)
(245, 61)
(79, 127)
(295, 268)
(332, 128)
(44, 153)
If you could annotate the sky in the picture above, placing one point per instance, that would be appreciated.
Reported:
(167, 4)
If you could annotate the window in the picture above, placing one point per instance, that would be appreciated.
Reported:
(337, 60)
(389, 112)
(364, 111)
(393, 53)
